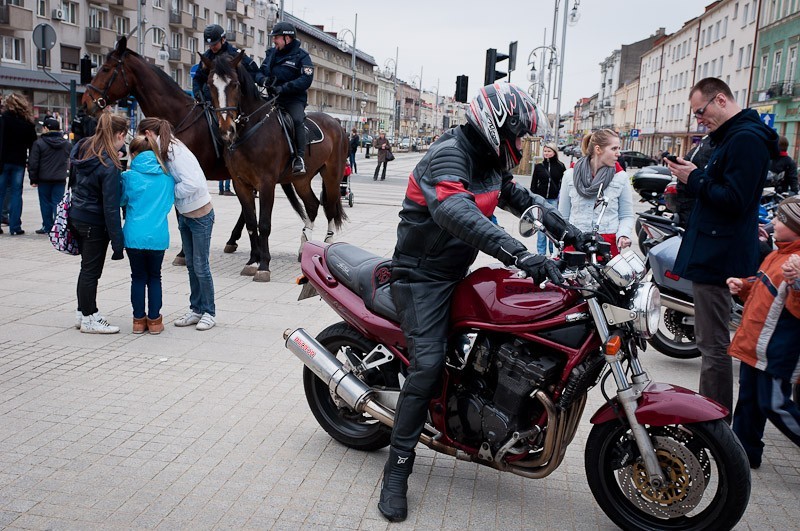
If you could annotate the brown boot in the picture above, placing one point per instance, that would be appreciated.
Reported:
(139, 325)
(155, 326)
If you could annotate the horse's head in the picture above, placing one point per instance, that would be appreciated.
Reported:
(110, 84)
(226, 83)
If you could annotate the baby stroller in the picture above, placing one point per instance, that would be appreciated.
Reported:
(344, 188)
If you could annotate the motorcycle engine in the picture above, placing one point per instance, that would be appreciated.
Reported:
(492, 399)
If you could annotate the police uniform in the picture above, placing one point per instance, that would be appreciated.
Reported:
(200, 82)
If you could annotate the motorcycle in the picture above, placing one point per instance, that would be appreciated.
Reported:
(520, 362)
(651, 183)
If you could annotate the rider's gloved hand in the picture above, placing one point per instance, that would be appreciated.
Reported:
(538, 267)
(276, 90)
(585, 242)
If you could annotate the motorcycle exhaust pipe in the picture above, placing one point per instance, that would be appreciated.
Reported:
(675, 303)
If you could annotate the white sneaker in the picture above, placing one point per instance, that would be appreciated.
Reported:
(78, 319)
(96, 324)
(188, 319)
(206, 322)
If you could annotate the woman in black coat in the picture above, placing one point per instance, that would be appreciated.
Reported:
(19, 134)
(546, 182)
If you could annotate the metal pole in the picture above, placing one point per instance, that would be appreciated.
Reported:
(419, 107)
(552, 53)
(394, 104)
(353, 84)
(561, 70)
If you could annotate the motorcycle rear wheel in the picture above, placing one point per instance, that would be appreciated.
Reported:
(707, 473)
(354, 430)
(671, 344)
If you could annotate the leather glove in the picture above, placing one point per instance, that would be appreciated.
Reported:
(275, 90)
(585, 242)
(539, 267)
(117, 255)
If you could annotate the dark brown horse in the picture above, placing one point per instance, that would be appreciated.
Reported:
(127, 73)
(258, 153)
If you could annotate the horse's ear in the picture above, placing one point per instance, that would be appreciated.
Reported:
(122, 44)
(207, 64)
(237, 59)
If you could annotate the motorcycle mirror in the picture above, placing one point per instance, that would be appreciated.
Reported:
(530, 221)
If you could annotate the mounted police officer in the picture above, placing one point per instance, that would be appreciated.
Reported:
(214, 37)
(290, 72)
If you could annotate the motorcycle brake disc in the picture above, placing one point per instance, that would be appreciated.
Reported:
(673, 320)
(684, 481)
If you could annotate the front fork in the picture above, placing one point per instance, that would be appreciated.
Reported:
(628, 394)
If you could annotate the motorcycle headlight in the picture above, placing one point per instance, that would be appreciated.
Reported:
(625, 268)
(646, 305)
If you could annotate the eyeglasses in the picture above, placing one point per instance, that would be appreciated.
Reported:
(699, 112)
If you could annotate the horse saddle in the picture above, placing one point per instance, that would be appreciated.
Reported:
(314, 134)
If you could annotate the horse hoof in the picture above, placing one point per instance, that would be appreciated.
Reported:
(179, 261)
(261, 276)
(249, 270)
(329, 237)
(230, 248)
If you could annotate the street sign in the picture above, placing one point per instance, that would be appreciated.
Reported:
(44, 37)
(768, 119)
(634, 133)
(193, 71)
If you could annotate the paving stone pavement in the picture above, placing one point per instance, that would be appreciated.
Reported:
(210, 430)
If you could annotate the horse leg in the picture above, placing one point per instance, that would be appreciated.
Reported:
(248, 203)
(266, 202)
(331, 201)
(311, 204)
(179, 260)
(231, 246)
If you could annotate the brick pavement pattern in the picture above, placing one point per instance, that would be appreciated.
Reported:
(209, 430)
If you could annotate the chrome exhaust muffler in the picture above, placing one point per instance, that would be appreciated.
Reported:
(675, 303)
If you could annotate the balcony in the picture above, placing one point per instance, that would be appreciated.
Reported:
(230, 5)
(180, 18)
(120, 5)
(782, 89)
(16, 18)
(230, 35)
(180, 55)
(101, 37)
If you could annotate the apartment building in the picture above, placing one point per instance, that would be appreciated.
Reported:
(625, 112)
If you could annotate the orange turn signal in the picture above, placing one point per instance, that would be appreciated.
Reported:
(301, 280)
(613, 345)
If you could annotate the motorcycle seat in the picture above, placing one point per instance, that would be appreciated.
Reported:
(364, 273)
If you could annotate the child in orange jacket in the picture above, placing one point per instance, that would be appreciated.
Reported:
(767, 341)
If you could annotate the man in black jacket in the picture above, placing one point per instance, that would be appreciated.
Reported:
(214, 37)
(784, 169)
(721, 240)
(289, 70)
(444, 223)
(354, 141)
(47, 170)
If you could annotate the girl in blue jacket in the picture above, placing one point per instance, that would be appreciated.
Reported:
(148, 196)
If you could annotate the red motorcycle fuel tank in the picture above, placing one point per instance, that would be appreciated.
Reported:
(494, 294)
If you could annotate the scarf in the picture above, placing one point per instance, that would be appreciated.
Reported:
(584, 183)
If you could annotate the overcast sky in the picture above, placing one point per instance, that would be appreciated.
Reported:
(446, 38)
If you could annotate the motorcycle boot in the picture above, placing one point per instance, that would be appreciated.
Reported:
(393, 504)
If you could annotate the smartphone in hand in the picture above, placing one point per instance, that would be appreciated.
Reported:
(672, 158)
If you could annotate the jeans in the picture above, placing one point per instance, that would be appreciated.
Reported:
(712, 313)
(93, 241)
(353, 161)
(763, 397)
(542, 243)
(49, 196)
(145, 275)
(11, 182)
(196, 239)
(225, 186)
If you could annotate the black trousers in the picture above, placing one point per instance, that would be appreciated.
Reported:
(93, 241)
(378, 167)
(297, 111)
(424, 308)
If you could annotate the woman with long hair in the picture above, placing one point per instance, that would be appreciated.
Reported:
(94, 215)
(599, 169)
(195, 220)
(18, 135)
(546, 182)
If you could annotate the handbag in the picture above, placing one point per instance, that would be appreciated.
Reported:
(389, 156)
(61, 235)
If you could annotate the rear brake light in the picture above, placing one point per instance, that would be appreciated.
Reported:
(672, 276)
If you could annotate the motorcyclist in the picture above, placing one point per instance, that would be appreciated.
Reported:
(444, 223)
(214, 37)
(288, 70)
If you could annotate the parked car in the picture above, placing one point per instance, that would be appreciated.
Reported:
(637, 159)
(405, 143)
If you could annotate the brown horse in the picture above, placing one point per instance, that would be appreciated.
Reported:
(258, 153)
(127, 73)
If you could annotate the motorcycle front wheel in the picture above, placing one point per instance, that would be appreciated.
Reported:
(353, 429)
(673, 338)
(706, 472)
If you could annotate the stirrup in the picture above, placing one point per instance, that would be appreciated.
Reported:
(299, 166)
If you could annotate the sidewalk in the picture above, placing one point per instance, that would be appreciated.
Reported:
(211, 429)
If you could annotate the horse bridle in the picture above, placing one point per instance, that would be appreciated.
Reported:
(102, 101)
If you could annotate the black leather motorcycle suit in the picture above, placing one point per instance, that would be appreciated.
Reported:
(444, 223)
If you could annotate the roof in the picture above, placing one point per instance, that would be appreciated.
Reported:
(35, 79)
(314, 31)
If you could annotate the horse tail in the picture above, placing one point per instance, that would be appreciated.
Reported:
(339, 215)
(291, 195)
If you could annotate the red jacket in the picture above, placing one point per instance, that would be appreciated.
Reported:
(769, 337)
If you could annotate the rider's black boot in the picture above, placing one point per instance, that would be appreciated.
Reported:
(299, 166)
(393, 504)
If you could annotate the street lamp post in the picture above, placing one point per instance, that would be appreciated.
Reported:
(395, 113)
(343, 47)
(419, 101)
(573, 17)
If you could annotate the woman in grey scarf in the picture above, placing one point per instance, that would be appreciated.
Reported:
(599, 168)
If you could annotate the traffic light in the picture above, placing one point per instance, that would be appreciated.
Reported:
(86, 69)
(462, 92)
(561, 122)
(492, 74)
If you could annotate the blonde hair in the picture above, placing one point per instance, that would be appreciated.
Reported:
(102, 143)
(18, 104)
(600, 138)
(142, 143)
